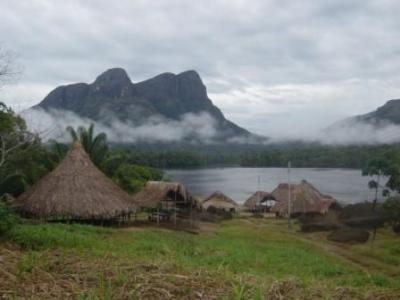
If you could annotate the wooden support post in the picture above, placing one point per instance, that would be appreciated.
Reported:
(175, 210)
(191, 214)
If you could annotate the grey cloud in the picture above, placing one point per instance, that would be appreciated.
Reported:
(235, 46)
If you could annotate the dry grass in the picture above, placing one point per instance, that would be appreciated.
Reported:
(51, 275)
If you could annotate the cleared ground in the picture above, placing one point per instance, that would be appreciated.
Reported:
(237, 259)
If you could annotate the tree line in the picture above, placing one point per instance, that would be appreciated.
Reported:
(201, 156)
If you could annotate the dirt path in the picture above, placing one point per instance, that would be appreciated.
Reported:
(365, 263)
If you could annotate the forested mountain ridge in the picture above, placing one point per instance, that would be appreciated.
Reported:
(387, 114)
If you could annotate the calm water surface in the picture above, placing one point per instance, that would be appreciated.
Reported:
(347, 186)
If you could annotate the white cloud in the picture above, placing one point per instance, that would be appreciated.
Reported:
(53, 124)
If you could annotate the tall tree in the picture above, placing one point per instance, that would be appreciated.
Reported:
(94, 145)
(376, 167)
(20, 153)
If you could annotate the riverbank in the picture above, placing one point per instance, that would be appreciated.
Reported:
(242, 258)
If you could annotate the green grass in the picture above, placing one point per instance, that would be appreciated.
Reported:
(263, 250)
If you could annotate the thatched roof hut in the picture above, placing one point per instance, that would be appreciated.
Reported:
(305, 198)
(76, 189)
(258, 199)
(163, 194)
(219, 200)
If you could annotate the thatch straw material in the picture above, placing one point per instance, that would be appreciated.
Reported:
(154, 193)
(220, 201)
(257, 199)
(305, 198)
(76, 189)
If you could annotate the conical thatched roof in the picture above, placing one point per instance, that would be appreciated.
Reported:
(305, 198)
(76, 189)
(220, 201)
(257, 198)
(154, 192)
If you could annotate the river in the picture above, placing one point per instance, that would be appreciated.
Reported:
(347, 186)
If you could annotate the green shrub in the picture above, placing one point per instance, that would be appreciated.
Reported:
(7, 218)
(133, 177)
(392, 208)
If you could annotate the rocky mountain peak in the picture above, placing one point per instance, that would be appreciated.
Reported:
(114, 76)
(168, 95)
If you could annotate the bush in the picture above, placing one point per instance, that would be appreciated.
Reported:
(349, 235)
(320, 226)
(132, 178)
(7, 218)
(220, 212)
(371, 222)
(396, 228)
(392, 208)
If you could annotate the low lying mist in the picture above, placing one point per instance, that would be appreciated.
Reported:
(358, 132)
(201, 127)
(349, 132)
(52, 124)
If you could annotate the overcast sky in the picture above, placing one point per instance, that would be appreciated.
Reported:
(274, 67)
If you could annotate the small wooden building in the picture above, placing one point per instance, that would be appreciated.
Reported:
(260, 201)
(165, 198)
(220, 201)
(304, 198)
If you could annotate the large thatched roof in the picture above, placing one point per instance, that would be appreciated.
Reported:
(155, 192)
(220, 201)
(257, 198)
(305, 198)
(76, 189)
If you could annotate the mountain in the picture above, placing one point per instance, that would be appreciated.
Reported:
(387, 114)
(112, 96)
(377, 127)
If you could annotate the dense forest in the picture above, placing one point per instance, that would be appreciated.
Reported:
(200, 156)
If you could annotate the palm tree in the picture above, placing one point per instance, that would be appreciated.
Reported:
(94, 145)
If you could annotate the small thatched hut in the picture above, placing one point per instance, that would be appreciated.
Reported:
(305, 199)
(163, 195)
(75, 190)
(220, 201)
(260, 201)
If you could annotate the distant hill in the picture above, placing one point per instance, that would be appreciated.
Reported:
(112, 96)
(389, 113)
(376, 127)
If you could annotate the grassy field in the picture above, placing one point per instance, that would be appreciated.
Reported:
(237, 259)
